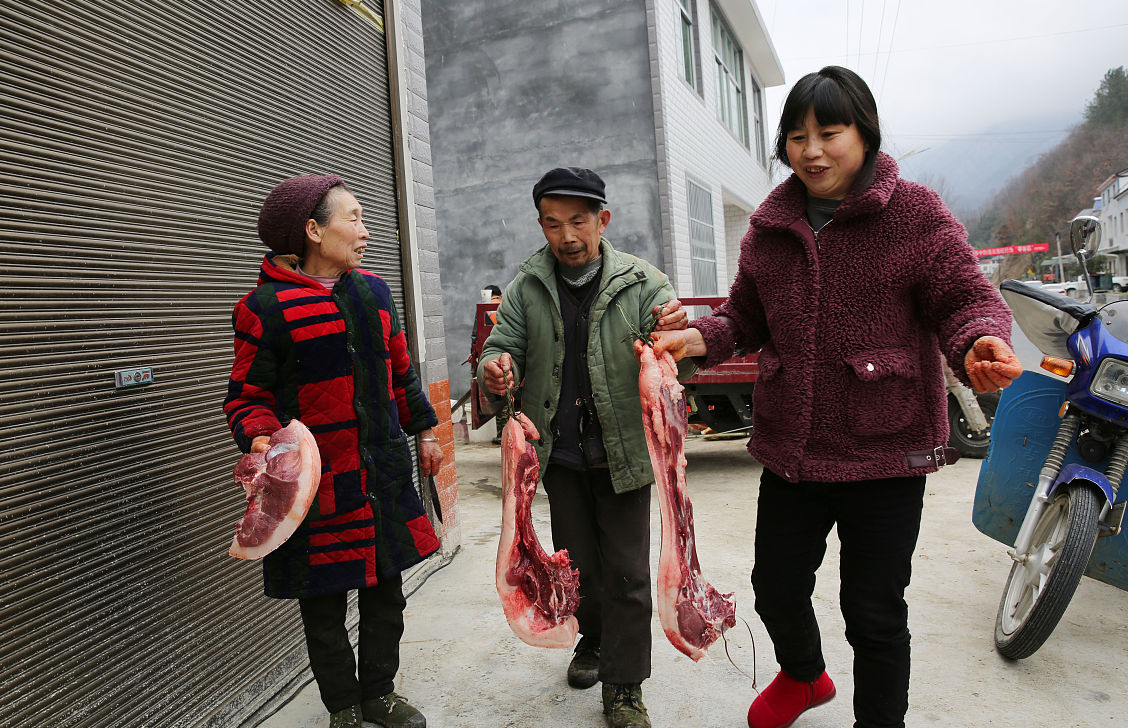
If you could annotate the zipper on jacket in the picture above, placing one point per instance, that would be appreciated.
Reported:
(818, 248)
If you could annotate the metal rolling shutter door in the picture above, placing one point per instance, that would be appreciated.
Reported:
(139, 140)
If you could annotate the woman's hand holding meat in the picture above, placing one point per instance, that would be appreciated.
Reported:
(671, 316)
(680, 343)
(991, 364)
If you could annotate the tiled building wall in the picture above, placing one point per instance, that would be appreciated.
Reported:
(693, 144)
(413, 72)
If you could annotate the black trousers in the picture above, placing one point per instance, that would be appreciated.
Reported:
(331, 654)
(878, 523)
(608, 539)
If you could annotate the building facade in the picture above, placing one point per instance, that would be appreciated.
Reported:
(1113, 196)
(664, 98)
(139, 143)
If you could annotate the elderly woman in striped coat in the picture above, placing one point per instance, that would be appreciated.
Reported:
(319, 340)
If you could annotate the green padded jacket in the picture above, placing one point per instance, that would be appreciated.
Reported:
(530, 329)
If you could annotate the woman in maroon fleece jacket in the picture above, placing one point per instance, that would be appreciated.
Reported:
(853, 284)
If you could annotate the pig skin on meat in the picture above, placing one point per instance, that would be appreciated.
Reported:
(693, 613)
(539, 593)
(280, 485)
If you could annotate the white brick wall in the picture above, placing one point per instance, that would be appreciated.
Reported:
(693, 142)
(413, 73)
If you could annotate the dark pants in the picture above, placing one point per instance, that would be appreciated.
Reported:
(331, 653)
(608, 540)
(878, 522)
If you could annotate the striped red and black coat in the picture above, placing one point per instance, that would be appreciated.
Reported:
(336, 360)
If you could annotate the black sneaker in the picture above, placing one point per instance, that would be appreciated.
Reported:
(622, 704)
(393, 711)
(583, 671)
(347, 718)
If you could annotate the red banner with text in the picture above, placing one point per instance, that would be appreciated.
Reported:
(1012, 249)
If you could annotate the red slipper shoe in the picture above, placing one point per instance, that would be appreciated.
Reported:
(785, 700)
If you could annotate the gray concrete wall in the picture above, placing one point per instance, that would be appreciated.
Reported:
(515, 88)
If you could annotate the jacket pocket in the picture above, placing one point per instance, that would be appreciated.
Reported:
(882, 391)
(767, 364)
(769, 398)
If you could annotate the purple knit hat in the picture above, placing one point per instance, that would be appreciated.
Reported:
(282, 219)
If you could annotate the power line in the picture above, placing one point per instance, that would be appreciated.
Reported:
(993, 41)
(889, 53)
(861, 20)
(986, 133)
(880, 30)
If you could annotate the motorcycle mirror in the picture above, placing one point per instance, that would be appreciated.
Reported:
(1085, 235)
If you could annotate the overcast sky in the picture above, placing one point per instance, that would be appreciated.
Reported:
(953, 70)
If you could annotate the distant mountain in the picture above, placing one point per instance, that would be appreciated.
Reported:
(969, 171)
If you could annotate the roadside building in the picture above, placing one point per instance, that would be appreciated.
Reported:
(139, 141)
(664, 98)
(1113, 211)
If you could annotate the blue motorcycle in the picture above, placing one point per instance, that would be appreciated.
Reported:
(1065, 436)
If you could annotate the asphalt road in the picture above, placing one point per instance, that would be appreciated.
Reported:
(463, 666)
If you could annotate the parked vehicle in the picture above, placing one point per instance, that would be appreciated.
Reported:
(1067, 288)
(721, 397)
(1075, 457)
(1077, 287)
(970, 415)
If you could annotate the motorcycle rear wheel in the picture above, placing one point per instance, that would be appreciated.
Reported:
(1038, 591)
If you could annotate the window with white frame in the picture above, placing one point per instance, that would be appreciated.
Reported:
(730, 79)
(758, 135)
(686, 43)
(702, 244)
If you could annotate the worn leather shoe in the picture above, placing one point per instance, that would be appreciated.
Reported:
(583, 670)
(622, 704)
(347, 718)
(392, 711)
(786, 699)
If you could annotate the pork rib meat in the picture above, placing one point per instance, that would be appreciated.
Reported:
(539, 593)
(280, 485)
(693, 613)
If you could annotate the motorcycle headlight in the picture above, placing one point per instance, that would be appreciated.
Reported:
(1111, 382)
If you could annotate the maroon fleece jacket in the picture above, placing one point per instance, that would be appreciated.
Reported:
(851, 325)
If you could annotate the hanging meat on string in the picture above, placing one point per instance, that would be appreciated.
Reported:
(693, 613)
(539, 592)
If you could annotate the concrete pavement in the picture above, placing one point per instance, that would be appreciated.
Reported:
(464, 668)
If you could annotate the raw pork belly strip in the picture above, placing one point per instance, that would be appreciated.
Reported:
(692, 612)
(280, 485)
(539, 593)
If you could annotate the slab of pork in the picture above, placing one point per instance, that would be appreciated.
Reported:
(539, 593)
(693, 614)
(280, 485)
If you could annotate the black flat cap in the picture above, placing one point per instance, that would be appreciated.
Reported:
(570, 182)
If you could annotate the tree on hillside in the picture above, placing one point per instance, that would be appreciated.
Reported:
(1110, 102)
(939, 185)
(1042, 199)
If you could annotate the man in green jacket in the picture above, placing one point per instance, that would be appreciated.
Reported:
(564, 334)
